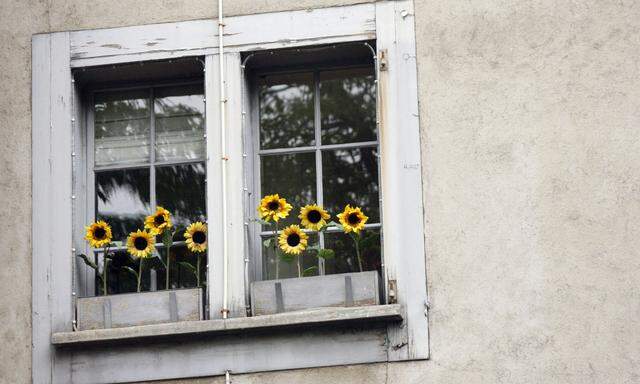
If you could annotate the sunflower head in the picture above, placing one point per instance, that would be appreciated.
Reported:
(273, 207)
(98, 234)
(140, 244)
(292, 240)
(352, 219)
(313, 217)
(158, 222)
(196, 237)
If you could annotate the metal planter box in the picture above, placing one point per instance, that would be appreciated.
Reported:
(131, 309)
(341, 290)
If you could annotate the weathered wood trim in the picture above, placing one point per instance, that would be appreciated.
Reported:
(181, 330)
(199, 37)
(401, 176)
(52, 256)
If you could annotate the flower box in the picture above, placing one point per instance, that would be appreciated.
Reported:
(340, 290)
(129, 309)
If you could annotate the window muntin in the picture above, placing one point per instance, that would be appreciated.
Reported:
(131, 179)
(318, 144)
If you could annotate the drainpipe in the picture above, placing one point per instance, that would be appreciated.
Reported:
(225, 158)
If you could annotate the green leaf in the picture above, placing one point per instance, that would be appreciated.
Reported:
(311, 271)
(189, 267)
(88, 262)
(131, 271)
(326, 253)
(267, 243)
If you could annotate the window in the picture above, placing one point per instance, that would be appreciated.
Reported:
(332, 150)
(318, 144)
(148, 150)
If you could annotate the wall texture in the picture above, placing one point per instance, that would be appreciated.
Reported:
(529, 113)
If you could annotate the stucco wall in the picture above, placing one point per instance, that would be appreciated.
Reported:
(530, 114)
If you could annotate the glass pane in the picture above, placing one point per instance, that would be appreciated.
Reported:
(179, 123)
(350, 176)
(293, 177)
(287, 266)
(181, 190)
(348, 106)
(345, 259)
(122, 200)
(286, 111)
(121, 128)
(184, 268)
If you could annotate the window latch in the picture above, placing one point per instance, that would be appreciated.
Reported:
(383, 64)
(393, 296)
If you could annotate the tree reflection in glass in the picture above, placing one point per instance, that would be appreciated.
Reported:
(286, 111)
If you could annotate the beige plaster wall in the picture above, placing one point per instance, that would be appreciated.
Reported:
(530, 114)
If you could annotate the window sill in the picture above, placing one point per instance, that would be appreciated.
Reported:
(306, 318)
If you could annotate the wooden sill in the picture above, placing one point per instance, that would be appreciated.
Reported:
(306, 318)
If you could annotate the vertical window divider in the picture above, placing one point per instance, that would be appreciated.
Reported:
(152, 150)
(318, 144)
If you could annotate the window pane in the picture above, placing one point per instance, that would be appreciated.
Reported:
(121, 128)
(179, 123)
(287, 265)
(348, 106)
(293, 177)
(350, 176)
(181, 190)
(122, 200)
(345, 259)
(286, 111)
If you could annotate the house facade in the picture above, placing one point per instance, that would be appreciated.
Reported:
(491, 148)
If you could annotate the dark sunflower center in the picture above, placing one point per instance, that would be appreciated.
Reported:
(273, 205)
(99, 233)
(158, 220)
(140, 243)
(353, 218)
(314, 217)
(199, 237)
(293, 239)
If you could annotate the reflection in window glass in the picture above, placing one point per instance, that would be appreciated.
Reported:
(343, 163)
(122, 199)
(121, 128)
(181, 190)
(286, 111)
(130, 183)
(179, 123)
(293, 177)
(348, 106)
(350, 176)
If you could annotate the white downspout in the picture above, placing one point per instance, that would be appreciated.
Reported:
(225, 158)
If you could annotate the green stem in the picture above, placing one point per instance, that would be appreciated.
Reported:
(104, 271)
(275, 251)
(198, 270)
(140, 272)
(355, 240)
(299, 257)
(168, 267)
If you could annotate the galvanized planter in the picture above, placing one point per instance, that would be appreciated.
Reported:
(131, 309)
(341, 290)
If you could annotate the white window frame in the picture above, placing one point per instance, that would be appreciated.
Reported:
(55, 124)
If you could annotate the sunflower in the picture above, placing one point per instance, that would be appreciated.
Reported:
(313, 217)
(98, 234)
(292, 240)
(196, 235)
(352, 219)
(273, 207)
(140, 244)
(158, 222)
